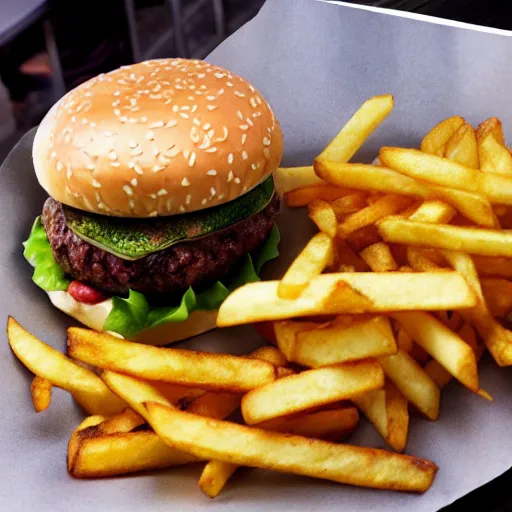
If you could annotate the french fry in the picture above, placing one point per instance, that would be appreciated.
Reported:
(485, 242)
(349, 259)
(117, 454)
(462, 147)
(435, 211)
(221, 405)
(474, 206)
(177, 394)
(125, 421)
(363, 238)
(360, 126)
(303, 196)
(410, 378)
(41, 359)
(41, 391)
(334, 344)
(443, 345)
(76, 438)
(444, 172)
(253, 447)
(494, 157)
(421, 263)
(311, 388)
(197, 369)
(403, 338)
(287, 179)
(387, 410)
(387, 205)
(134, 391)
(379, 258)
(493, 267)
(309, 263)
(498, 296)
(322, 214)
(335, 294)
(330, 424)
(349, 204)
(419, 354)
(497, 339)
(435, 140)
(492, 125)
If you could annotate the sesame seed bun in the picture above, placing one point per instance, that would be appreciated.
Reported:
(157, 138)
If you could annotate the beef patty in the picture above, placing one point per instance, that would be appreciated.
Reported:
(195, 263)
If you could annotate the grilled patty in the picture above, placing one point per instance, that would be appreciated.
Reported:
(196, 263)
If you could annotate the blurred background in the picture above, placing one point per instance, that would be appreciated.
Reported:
(48, 47)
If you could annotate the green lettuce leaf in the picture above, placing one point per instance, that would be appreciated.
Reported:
(48, 274)
(131, 315)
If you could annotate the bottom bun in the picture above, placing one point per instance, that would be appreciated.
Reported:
(95, 315)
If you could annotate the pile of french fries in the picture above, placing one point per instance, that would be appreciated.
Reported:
(403, 288)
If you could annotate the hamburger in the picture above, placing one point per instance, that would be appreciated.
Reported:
(161, 197)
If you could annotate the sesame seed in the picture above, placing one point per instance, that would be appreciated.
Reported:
(153, 214)
(115, 164)
(266, 152)
(116, 103)
(136, 151)
(168, 204)
(112, 155)
(182, 209)
(168, 101)
(117, 112)
(131, 203)
(91, 166)
(194, 108)
(244, 127)
(185, 107)
(157, 124)
(155, 151)
(207, 126)
(102, 205)
(210, 98)
(84, 121)
(204, 201)
(69, 173)
(186, 153)
(155, 96)
(53, 154)
(213, 192)
(249, 121)
(230, 176)
(191, 98)
(143, 119)
(256, 114)
(219, 75)
(211, 150)
(251, 88)
(211, 172)
(220, 91)
(162, 192)
(255, 166)
(124, 119)
(185, 116)
(211, 107)
(152, 196)
(266, 141)
(201, 75)
(230, 158)
(239, 94)
(237, 180)
(171, 151)
(188, 199)
(164, 160)
(59, 166)
(137, 168)
(258, 100)
(128, 190)
(192, 159)
(244, 138)
(240, 115)
(203, 87)
(244, 155)
(185, 182)
(133, 144)
(150, 136)
(253, 103)
(134, 182)
(229, 84)
(179, 87)
(158, 168)
(96, 183)
(171, 123)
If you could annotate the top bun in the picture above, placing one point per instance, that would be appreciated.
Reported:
(157, 138)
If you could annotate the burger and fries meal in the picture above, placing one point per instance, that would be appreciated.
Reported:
(404, 287)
